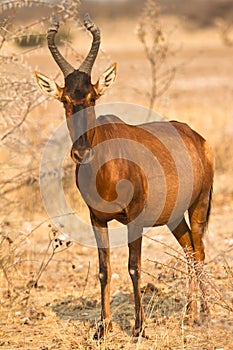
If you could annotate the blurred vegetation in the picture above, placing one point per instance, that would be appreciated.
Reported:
(201, 13)
(157, 49)
(19, 97)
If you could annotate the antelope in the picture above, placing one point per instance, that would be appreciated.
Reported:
(162, 164)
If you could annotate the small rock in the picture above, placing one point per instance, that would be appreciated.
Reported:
(117, 293)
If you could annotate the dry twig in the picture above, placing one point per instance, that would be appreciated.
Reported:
(157, 49)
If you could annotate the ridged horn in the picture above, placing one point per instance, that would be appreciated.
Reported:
(87, 64)
(65, 67)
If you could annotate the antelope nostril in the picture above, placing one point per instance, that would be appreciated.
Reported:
(84, 157)
(77, 158)
(76, 155)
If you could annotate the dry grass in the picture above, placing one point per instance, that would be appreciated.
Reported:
(50, 318)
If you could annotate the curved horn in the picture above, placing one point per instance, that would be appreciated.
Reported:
(65, 67)
(87, 64)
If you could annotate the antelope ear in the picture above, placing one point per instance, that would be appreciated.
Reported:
(106, 80)
(48, 86)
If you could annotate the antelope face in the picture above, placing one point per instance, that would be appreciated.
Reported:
(78, 97)
(79, 94)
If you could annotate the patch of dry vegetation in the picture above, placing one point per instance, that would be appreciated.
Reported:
(63, 310)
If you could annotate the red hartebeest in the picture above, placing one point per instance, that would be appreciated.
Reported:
(167, 164)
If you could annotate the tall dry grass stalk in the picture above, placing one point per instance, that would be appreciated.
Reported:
(158, 50)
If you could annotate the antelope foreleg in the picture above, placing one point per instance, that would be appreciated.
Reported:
(101, 235)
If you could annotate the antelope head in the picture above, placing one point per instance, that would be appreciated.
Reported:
(78, 93)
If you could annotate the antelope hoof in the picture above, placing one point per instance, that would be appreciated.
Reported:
(189, 320)
(102, 330)
(139, 332)
(205, 309)
(194, 317)
(191, 315)
(205, 313)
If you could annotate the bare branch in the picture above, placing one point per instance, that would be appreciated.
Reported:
(17, 125)
(157, 49)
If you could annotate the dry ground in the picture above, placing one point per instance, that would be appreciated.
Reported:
(62, 312)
